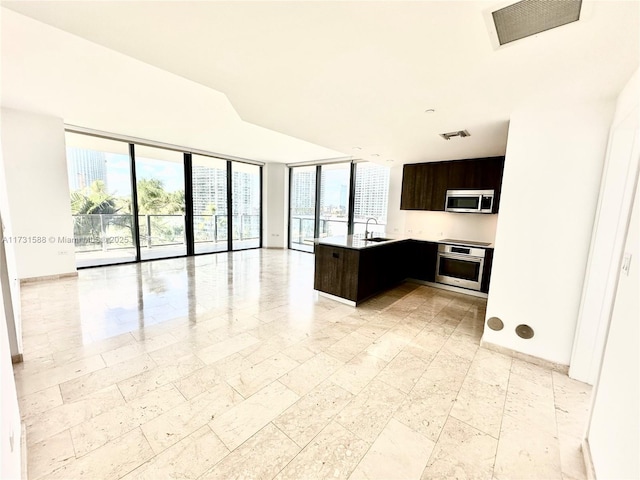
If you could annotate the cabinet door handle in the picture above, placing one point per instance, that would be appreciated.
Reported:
(336, 255)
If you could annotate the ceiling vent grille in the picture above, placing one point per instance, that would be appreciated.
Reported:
(530, 17)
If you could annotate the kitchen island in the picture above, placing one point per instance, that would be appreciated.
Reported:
(352, 269)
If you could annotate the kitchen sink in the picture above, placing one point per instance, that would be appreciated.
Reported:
(377, 239)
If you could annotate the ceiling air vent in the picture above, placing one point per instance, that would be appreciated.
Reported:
(459, 133)
(530, 17)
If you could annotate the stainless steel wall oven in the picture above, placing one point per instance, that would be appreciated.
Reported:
(460, 266)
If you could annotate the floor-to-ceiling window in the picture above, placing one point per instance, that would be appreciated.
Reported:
(210, 222)
(246, 205)
(99, 172)
(334, 199)
(371, 197)
(302, 207)
(133, 202)
(349, 195)
(161, 202)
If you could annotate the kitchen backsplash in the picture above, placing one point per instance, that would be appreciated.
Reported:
(437, 225)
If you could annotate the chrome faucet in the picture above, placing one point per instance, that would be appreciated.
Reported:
(366, 227)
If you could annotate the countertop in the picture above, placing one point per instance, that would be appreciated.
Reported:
(357, 242)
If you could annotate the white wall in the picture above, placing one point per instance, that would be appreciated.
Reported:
(9, 251)
(35, 170)
(550, 189)
(11, 435)
(615, 424)
(275, 206)
(435, 225)
(614, 208)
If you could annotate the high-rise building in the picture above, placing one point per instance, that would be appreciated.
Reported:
(303, 193)
(209, 191)
(372, 192)
(85, 167)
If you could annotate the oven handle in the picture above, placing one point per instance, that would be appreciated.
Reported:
(469, 258)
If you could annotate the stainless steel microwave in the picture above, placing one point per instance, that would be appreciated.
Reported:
(469, 201)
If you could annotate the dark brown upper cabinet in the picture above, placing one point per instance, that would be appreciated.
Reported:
(424, 185)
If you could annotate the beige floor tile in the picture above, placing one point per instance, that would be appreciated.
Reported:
(173, 334)
(94, 348)
(480, 405)
(249, 416)
(149, 380)
(526, 452)
(538, 375)
(133, 350)
(387, 346)
(226, 348)
(92, 434)
(31, 383)
(46, 424)
(349, 346)
(369, 411)
(198, 382)
(334, 453)
(403, 371)
(399, 452)
(113, 460)
(309, 415)
(50, 454)
(189, 458)
(260, 375)
(357, 373)
(179, 422)
(80, 387)
(461, 452)
(41, 401)
(311, 373)
(261, 457)
(530, 402)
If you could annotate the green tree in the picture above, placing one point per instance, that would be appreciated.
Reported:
(153, 199)
(93, 200)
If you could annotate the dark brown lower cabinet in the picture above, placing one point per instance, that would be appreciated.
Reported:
(422, 260)
(359, 274)
(336, 271)
(486, 272)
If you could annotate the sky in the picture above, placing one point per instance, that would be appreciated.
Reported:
(118, 175)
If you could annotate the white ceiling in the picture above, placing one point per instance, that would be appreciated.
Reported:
(334, 74)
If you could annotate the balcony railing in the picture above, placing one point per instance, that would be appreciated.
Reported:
(106, 232)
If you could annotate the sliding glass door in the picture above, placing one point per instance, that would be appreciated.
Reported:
(302, 207)
(210, 216)
(334, 199)
(161, 202)
(246, 207)
(99, 173)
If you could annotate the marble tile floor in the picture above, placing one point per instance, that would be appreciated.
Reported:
(229, 366)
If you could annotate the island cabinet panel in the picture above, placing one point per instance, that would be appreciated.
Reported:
(357, 274)
(336, 271)
(424, 185)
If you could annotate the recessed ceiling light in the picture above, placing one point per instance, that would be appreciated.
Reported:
(391, 160)
(375, 154)
(357, 148)
(430, 110)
